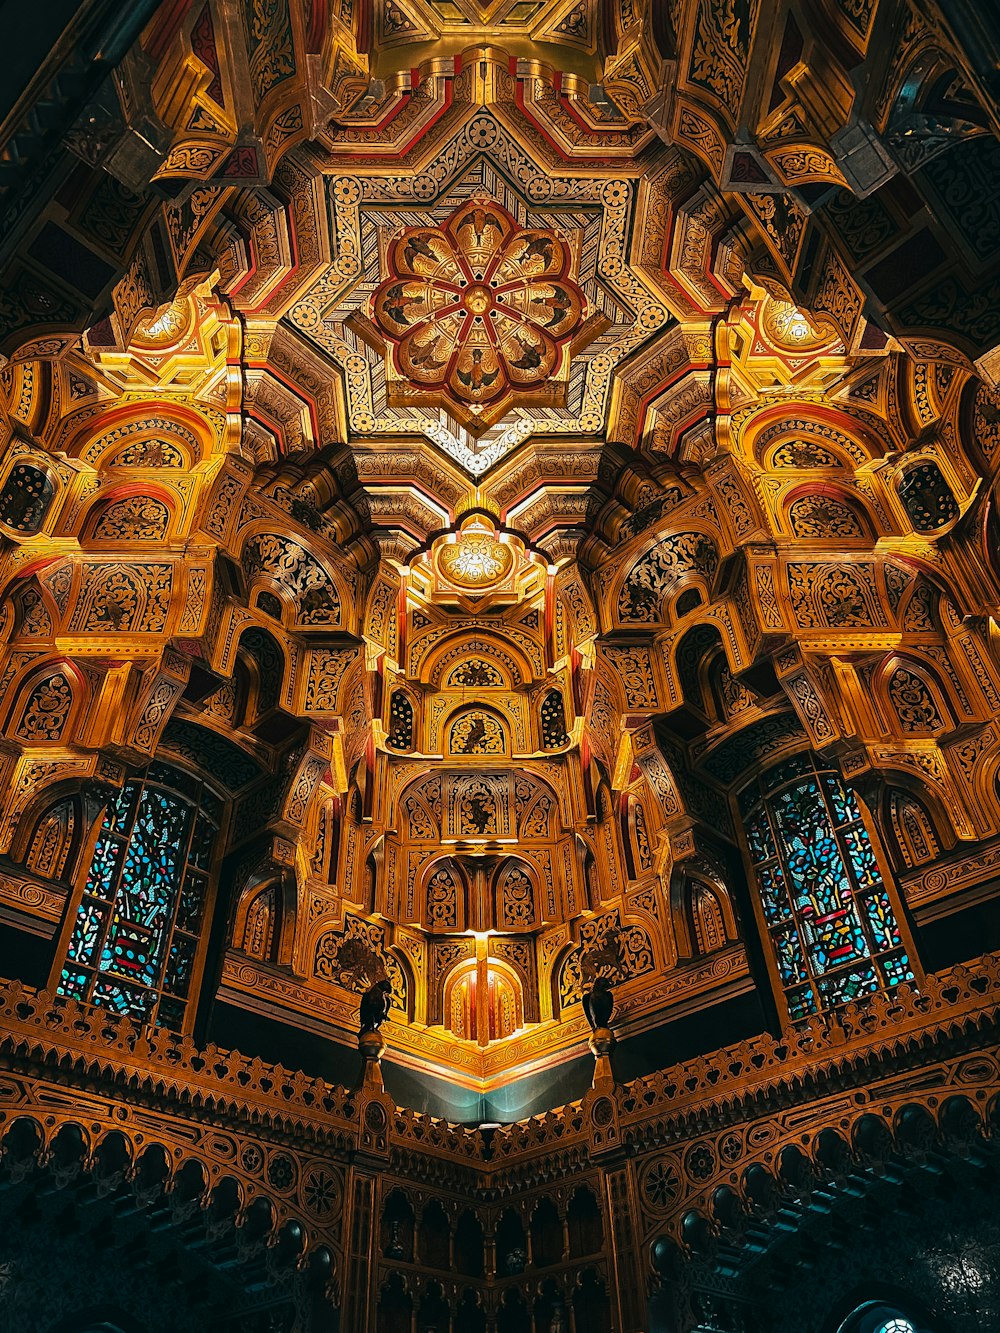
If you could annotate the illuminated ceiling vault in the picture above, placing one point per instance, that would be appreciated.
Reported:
(478, 513)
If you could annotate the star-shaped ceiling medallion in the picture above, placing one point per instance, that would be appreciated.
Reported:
(480, 315)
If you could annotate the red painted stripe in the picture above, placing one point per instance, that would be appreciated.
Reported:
(166, 25)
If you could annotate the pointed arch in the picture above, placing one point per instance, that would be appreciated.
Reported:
(666, 564)
(280, 564)
(635, 839)
(702, 909)
(27, 492)
(827, 513)
(128, 515)
(483, 1001)
(913, 696)
(400, 734)
(34, 612)
(515, 895)
(552, 721)
(267, 664)
(257, 929)
(444, 895)
(914, 826)
(433, 660)
(420, 805)
(50, 846)
(47, 703)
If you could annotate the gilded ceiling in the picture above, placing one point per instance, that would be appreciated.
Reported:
(476, 514)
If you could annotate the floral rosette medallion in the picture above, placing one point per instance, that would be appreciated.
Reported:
(479, 312)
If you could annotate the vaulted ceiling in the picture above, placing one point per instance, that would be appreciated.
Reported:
(492, 509)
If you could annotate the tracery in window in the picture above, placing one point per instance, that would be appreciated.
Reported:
(135, 938)
(828, 913)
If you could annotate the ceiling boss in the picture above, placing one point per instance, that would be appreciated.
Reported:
(480, 313)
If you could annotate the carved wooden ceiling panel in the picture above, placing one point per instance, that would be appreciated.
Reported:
(477, 513)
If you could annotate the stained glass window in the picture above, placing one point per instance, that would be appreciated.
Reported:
(829, 916)
(875, 1317)
(136, 932)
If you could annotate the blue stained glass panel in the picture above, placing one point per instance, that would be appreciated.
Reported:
(843, 987)
(120, 811)
(843, 806)
(774, 777)
(816, 867)
(73, 983)
(170, 1013)
(135, 930)
(773, 894)
(761, 842)
(882, 920)
(862, 857)
(104, 867)
(201, 843)
(834, 939)
(126, 1000)
(191, 900)
(801, 1002)
(179, 965)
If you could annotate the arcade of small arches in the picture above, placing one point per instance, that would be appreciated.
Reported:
(499, 526)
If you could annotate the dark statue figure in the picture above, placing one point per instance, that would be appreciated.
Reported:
(375, 1005)
(599, 1004)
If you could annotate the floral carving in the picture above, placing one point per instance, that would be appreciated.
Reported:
(517, 900)
(476, 732)
(823, 516)
(289, 564)
(46, 709)
(139, 518)
(479, 312)
(442, 899)
(659, 569)
(913, 702)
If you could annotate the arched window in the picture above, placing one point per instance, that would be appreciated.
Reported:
(135, 937)
(882, 1317)
(913, 829)
(827, 911)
